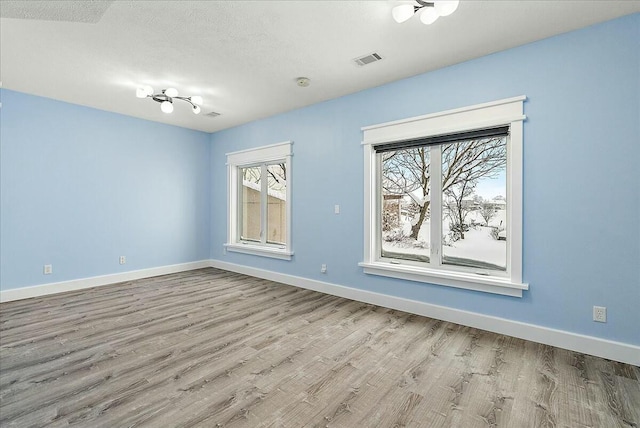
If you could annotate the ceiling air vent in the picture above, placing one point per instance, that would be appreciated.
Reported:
(367, 59)
(212, 114)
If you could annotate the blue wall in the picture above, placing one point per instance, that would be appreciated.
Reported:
(581, 178)
(80, 187)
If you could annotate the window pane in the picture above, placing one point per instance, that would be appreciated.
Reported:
(277, 203)
(405, 200)
(474, 207)
(250, 203)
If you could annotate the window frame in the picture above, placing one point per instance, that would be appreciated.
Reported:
(497, 113)
(261, 156)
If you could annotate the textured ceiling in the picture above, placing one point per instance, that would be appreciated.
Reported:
(48, 10)
(243, 57)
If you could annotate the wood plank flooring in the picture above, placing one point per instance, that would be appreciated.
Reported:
(210, 348)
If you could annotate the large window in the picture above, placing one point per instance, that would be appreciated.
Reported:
(444, 198)
(260, 201)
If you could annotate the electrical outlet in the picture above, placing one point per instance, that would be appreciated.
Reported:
(123, 260)
(323, 268)
(336, 209)
(48, 269)
(600, 313)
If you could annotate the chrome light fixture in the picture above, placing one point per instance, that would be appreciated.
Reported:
(432, 10)
(166, 97)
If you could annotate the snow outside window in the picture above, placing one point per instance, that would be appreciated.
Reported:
(473, 206)
(259, 206)
(443, 198)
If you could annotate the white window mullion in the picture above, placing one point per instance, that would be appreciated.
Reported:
(232, 208)
(288, 181)
(377, 201)
(237, 207)
(435, 195)
(264, 200)
(514, 193)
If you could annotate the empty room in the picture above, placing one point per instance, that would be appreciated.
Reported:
(393, 213)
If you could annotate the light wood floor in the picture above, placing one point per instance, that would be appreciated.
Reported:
(217, 349)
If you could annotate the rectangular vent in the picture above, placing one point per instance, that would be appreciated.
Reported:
(368, 59)
(212, 114)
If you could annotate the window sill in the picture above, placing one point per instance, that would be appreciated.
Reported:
(259, 250)
(469, 281)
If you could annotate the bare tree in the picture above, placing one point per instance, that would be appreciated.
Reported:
(458, 209)
(406, 171)
(487, 211)
(251, 174)
(277, 173)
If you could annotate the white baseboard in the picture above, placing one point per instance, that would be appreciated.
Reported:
(96, 281)
(617, 351)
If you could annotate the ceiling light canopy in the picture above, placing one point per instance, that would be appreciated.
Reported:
(431, 10)
(303, 82)
(166, 97)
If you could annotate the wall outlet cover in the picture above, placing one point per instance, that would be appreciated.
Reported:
(600, 314)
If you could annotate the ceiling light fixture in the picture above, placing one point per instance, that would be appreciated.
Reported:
(166, 97)
(432, 10)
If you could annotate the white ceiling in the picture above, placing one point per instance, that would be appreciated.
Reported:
(243, 57)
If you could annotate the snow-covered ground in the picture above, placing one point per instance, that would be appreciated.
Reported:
(477, 245)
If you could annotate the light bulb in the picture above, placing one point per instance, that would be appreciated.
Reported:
(144, 91)
(196, 109)
(446, 7)
(166, 106)
(197, 100)
(402, 12)
(429, 15)
(171, 92)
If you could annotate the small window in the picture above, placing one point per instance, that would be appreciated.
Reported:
(260, 201)
(445, 197)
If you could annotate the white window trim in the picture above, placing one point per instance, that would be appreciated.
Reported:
(235, 160)
(502, 112)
